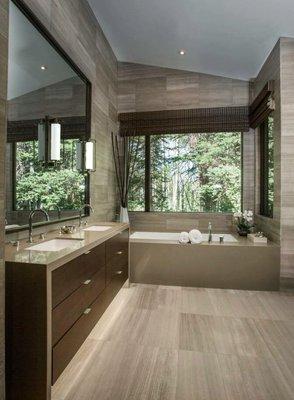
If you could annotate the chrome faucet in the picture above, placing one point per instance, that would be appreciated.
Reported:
(82, 209)
(209, 232)
(31, 216)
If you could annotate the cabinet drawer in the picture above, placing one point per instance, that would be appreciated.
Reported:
(69, 311)
(117, 249)
(94, 259)
(117, 254)
(119, 273)
(69, 277)
(70, 343)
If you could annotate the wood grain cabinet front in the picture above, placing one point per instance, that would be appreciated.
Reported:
(69, 277)
(69, 311)
(117, 255)
(69, 344)
(51, 313)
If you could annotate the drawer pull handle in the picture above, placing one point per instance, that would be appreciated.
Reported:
(87, 281)
(119, 272)
(119, 252)
(87, 252)
(87, 311)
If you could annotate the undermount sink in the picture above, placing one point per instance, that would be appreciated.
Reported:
(98, 228)
(53, 245)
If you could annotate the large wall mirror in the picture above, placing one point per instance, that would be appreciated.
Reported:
(44, 88)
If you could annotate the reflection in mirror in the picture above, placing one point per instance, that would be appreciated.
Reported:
(42, 85)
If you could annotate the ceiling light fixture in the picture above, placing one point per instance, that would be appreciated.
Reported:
(43, 67)
(182, 52)
(86, 155)
(49, 141)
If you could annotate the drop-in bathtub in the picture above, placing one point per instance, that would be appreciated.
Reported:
(172, 237)
(237, 263)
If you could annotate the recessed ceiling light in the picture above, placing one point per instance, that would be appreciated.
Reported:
(43, 67)
(182, 52)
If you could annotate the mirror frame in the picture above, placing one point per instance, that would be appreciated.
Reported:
(35, 21)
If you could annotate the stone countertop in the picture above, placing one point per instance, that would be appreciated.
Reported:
(84, 241)
(240, 241)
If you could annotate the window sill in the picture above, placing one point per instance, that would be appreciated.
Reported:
(181, 212)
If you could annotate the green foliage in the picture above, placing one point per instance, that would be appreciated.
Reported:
(61, 187)
(191, 172)
(136, 199)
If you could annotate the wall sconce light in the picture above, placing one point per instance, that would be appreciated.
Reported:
(49, 141)
(86, 155)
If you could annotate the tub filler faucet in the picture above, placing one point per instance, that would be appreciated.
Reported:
(209, 233)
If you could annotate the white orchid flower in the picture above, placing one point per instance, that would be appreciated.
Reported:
(238, 215)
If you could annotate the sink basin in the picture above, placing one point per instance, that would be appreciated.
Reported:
(98, 228)
(53, 245)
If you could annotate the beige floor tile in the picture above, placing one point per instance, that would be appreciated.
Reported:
(237, 304)
(199, 377)
(279, 337)
(195, 333)
(75, 368)
(144, 298)
(123, 372)
(222, 335)
(196, 301)
(253, 378)
(279, 306)
(161, 343)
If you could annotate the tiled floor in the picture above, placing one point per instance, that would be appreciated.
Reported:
(173, 343)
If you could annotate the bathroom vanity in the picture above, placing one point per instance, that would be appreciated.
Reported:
(54, 299)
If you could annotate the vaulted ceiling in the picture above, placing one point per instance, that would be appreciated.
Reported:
(222, 37)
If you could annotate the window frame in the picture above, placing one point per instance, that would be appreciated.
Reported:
(264, 208)
(13, 166)
(36, 22)
(147, 183)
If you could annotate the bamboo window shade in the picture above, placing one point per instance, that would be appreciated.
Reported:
(200, 120)
(262, 106)
(25, 130)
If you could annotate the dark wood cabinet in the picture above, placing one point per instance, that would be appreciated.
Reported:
(66, 348)
(60, 308)
(117, 255)
(75, 316)
(66, 313)
(72, 275)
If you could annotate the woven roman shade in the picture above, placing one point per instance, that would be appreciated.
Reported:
(21, 131)
(200, 120)
(262, 106)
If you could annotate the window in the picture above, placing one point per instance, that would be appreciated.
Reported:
(136, 197)
(62, 188)
(267, 167)
(189, 173)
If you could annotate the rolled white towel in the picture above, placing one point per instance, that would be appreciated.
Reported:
(184, 237)
(195, 236)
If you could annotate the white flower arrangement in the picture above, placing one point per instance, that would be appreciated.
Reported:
(244, 221)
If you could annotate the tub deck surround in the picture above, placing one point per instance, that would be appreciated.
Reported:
(230, 265)
(53, 301)
(54, 259)
(230, 239)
